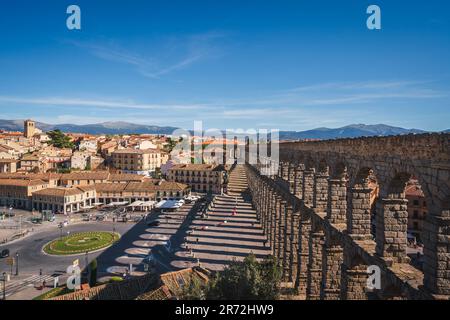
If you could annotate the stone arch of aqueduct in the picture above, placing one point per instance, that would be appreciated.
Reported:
(316, 214)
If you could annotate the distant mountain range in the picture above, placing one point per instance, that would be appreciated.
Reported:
(118, 127)
(350, 131)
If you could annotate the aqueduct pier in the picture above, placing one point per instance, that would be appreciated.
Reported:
(324, 228)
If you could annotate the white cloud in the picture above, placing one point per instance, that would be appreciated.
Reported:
(188, 51)
(129, 104)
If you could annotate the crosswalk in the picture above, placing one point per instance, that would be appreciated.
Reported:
(16, 286)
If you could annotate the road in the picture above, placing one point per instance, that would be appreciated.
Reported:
(32, 258)
(138, 240)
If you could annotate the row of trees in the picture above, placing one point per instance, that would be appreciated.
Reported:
(246, 280)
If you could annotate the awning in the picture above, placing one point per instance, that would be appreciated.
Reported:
(169, 204)
(136, 204)
(142, 204)
(117, 204)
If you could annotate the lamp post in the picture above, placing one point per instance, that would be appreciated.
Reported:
(4, 285)
(17, 263)
(86, 257)
(114, 225)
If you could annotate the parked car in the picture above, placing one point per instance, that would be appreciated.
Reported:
(4, 253)
(154, 223)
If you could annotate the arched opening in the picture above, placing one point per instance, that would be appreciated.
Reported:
(403, 211)
(417, 213)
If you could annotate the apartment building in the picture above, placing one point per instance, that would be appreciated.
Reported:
(154, 190)
(32, 163)
(208, 178)
(80, 160)
(417, 209)
(84, 178)
(64, 200)
(18, 192)
(70, 193)
(138, 161)
(8, 165)
(90, 145)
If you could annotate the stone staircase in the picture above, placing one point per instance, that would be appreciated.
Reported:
(237, 184)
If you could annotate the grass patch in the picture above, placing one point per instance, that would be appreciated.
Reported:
(53, 293)
(81, 242)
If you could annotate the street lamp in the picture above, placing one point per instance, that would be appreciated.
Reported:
(86, 257)
(4, 285)
(60, 232)
(17, 263)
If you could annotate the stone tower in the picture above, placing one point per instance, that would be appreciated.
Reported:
(29, 128)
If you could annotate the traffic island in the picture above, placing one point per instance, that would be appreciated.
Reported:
(82, 242)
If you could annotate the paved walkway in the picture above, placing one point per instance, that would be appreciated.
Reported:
(226, 234)
(26, 283)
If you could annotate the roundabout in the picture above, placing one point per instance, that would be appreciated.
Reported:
(81, 242)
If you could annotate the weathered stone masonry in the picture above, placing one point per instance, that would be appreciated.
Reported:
(316, 214)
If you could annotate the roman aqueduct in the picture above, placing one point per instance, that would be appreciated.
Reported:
(319, 218)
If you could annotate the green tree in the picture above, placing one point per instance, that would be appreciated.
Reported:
(171, 143)
(195, 290)
(60, 140)
(247, 280)
(93, 273)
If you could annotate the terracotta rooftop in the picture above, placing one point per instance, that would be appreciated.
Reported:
(414, 191)
(30, 176)
(86, 175)
(172, 283)
(58, 192)
(126, 177)
(135, 151)
(110, 187)
(8, 160)
(21, 182)
(197, 167)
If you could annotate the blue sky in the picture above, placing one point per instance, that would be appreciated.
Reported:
(290, 65)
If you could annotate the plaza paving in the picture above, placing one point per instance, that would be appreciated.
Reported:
(226, 234)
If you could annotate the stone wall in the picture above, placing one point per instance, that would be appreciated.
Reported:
(319, 206)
